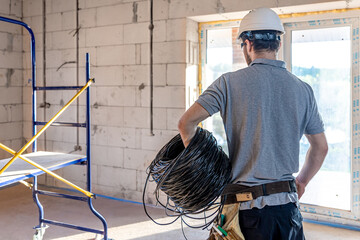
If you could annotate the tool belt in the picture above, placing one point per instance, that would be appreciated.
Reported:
(227, 226)
(234, 193)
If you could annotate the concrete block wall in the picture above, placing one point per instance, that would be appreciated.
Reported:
(11, 117)
(115, 33)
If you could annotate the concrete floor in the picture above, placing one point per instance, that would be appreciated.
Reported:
(126, 221)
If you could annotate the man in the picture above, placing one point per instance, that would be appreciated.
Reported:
(265, 111)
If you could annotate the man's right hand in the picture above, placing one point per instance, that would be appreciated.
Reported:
(313, 161)
(300, 188)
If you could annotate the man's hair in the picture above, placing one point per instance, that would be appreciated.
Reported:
(264, 40)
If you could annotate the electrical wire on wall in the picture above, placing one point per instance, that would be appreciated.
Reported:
(192, 178)
(44, 103)
(77, 146)
(151, 28)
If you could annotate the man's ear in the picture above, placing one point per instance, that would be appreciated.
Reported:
(249, 45)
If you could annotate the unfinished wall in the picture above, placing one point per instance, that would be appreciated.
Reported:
(115, 33)
(10, 77)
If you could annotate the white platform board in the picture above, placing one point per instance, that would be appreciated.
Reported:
(21, 170)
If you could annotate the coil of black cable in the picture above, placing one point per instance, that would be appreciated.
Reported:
(194, 177)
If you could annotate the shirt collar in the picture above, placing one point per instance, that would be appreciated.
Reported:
(275, 63)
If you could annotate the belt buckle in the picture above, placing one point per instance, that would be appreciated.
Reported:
(243, 197)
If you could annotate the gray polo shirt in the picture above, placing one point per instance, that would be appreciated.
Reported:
(265, 110)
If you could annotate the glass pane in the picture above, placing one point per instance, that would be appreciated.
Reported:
(223, 54)
(321, 57)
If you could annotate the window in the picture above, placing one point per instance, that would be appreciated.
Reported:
(321, 57)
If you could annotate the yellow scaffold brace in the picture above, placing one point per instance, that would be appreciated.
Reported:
(17, 154)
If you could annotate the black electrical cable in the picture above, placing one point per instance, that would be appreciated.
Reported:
(192, 178)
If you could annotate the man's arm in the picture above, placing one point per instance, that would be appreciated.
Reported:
(188, 122)
(314, 159)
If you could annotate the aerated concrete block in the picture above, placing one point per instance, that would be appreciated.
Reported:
(87, 17)
(164, 52)
(119, 96)
(66, 75)
(119, 178)
(187, 8)
(192, 30)
(176, 29)
(27, 112)
(61, 21)
(32, 8)
(10, 130)
(115, 157)
(53, 22)
(61, 40)
(116, 55)
(6, 41)
(142, 11)
(16, 113)
(10, 59)
(11, 95)
(5, 7)
(138, 159)
(136, 33)
(27, 130)
(10, 28)
(16, 8)
(108, 76)
(136, 75)
(97, 3)
(16, 43)
(121, 137)
(160, 31)
(62, 6)
(143, 97)
(159, 118)
(95, 36)
(176, 74)
(145, 53)
(161, 9)
(169, 97)
(109, 116)
(159, 74)
(55, 58)
(170, 52)
(136, 117)
(117, 14)
(4, 114)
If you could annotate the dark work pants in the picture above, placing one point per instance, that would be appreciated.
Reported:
(283, 222)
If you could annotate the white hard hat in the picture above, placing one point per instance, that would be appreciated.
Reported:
(261, 19)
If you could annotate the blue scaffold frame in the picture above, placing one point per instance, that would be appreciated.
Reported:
(84, 161)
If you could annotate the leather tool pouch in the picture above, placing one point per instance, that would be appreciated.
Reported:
(230, 225)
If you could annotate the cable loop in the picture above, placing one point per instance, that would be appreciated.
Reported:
(193, 178)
